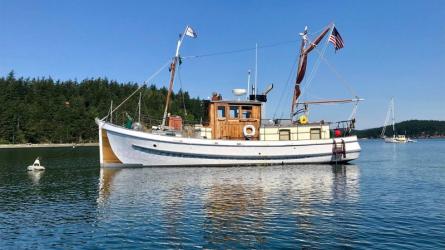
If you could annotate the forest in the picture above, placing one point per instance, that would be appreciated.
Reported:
(411, 128)
(43, 110)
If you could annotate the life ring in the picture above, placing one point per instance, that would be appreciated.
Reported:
(303, 119)
(250, 133)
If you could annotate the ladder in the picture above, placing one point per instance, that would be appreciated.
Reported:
(339, 150)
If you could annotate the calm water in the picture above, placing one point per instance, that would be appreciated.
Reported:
(393, 197)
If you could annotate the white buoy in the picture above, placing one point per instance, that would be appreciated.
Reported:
(36, 166)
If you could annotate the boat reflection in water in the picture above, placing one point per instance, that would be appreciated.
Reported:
(234, 207)
(35, 176)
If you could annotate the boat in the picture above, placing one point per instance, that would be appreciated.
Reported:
(395, 138)
(233, 132)
(36, 166)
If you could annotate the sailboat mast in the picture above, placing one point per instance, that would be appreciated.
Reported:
(306, 47)
(297, 90)
(393, 118)
(139, 107)
(170, 89)
(172, 76)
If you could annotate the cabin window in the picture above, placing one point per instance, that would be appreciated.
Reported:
(315, 134)
(234, 112)
(246, 112)
(221, 112)
(284, 134)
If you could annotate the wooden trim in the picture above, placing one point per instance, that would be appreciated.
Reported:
(107, 151)
(231, 128)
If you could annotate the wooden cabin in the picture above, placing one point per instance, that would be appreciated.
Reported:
(227, 119)
(241, 120)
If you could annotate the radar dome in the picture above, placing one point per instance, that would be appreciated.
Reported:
(239, 92)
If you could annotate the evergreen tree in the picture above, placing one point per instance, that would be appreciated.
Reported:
(41, 110)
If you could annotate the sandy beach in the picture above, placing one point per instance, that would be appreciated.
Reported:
(48, 145)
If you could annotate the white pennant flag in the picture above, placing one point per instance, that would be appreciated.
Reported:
(190, 32)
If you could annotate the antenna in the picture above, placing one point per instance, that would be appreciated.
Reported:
(111, 112)
(268, 89)
(248, 84)
(256, 69)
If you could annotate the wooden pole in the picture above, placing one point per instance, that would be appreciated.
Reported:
(170, 89)
(139, 107)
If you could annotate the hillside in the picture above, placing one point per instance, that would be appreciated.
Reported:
(43, 110)
(412, 128)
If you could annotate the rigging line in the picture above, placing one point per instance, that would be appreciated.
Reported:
(316, 32)
(240, 50)
(289, 96)
(354, 111)
(314, 69)
(182, 90)
(338, 75)
(285, 87)
(140, 86)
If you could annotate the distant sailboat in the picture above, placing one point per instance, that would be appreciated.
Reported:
(395, 137)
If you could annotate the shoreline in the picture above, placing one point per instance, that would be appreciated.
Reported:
(49, 145)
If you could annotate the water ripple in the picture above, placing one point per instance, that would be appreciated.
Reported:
(389, 200)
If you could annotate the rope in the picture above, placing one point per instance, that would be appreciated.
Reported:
(247, 49)
(182, 90)
(146, 81)
(240, 50)
(317, 32)
(338, 75)
(285, 87)
(354, 111)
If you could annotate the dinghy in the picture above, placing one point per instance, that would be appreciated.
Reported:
(36, 166)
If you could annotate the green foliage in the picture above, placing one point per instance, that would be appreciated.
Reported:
(412, 128)
(41, 110)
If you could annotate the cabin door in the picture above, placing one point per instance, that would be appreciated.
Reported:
(221, 123)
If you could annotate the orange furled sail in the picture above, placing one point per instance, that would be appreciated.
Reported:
(306, 47)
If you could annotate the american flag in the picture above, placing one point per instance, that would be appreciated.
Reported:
(336, 39)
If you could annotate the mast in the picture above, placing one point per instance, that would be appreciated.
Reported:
(139, 107)
(172, 75)
(305, 47)
(388, 113)
(393, 118)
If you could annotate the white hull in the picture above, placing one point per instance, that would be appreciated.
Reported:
(135, 148)
(395, 140)
(35, 168)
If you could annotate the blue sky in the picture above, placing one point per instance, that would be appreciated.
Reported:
(392, 48)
